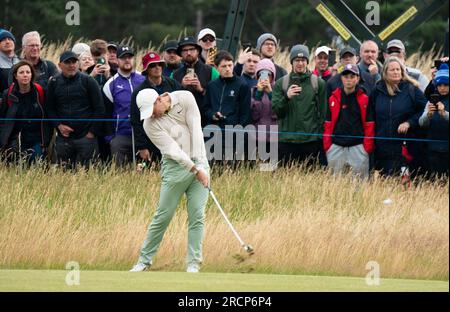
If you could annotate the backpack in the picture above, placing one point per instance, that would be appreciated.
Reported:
(315, 85)
(40, 90)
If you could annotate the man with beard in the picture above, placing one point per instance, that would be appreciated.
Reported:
(117, 95)
(194, 75)
(170, 56)
(267, 45)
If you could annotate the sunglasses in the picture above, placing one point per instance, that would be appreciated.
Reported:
(188, 50)
(210, 39)
(153, 65)
(393, 51)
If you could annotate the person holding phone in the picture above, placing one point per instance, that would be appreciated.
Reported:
(261, 105)
(207, 40)
(431, 88)
(101, 70)
(190, 51)
(435, 120)
(227, 103)
(299, 101)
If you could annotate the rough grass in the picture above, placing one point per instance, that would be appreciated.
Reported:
(299, 222)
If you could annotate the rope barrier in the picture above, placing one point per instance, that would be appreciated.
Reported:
(214, 129)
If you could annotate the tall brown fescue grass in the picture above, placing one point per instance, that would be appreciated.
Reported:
(299, 222)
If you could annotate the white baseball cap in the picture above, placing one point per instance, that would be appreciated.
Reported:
(323, 49)
(204, 32)
(145, 101)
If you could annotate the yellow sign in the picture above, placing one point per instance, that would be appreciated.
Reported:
(340, 28)
(398, 22)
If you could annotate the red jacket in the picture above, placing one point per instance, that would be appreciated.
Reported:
(334, 104)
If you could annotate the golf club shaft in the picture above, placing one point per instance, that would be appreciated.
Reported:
(226, 219)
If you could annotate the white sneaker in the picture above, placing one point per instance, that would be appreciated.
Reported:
(140, 267)
(193, 268)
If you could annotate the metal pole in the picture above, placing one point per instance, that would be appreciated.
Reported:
(133, 147)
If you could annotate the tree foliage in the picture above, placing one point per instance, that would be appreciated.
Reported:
(153, 21)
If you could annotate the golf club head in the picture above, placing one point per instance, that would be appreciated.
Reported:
(249, 249)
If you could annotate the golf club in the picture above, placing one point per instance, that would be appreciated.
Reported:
(247, 248)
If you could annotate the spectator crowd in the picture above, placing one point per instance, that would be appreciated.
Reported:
(361, 109)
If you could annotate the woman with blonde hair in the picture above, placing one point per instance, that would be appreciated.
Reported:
(398, 104)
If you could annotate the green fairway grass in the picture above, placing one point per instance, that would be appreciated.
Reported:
(53, 280)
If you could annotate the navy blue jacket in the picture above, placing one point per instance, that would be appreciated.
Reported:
(438, 130)
(390, 111)
(238, 71)
(231, 97)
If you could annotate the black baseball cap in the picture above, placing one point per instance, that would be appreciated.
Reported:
(188, 41)
(112, 45)
(123, 50)
(347, 50)
(171, 45)
(67, 55)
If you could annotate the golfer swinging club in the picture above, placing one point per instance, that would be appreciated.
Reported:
(172, 122)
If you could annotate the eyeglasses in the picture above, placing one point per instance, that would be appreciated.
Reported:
(33, 45)
(70, 61)
(394, 51)
(171, 51)
(153, 65)
(210, 39)
(188, 50)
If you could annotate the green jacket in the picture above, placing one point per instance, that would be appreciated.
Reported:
(301, 113)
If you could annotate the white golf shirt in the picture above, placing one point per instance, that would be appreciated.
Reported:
(178, 134)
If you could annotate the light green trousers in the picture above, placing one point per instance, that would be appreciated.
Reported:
(177, 181)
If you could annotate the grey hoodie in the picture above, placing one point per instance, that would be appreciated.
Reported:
(6, 63)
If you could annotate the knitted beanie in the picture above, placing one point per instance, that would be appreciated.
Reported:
(263, 38)
(441, 76)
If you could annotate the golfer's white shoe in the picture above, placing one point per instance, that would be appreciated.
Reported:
(193, 268)
(140, 267)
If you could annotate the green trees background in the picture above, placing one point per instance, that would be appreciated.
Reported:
(152, 21)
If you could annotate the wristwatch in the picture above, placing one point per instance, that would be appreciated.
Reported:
(195, 172)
